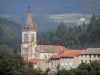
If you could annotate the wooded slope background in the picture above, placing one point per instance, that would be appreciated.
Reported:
(76, 37)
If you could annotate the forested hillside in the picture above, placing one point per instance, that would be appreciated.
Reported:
(78, 37)
(10, 32)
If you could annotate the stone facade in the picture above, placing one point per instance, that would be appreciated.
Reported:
(28, 39)
(75, 58)
(69, 62)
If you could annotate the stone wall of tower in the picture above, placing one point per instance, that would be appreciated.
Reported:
(28, 39)
(28, 48)
(29, 36)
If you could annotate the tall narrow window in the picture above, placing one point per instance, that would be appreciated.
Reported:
(85, 61)
(90, 61)
(32, 37)
(90, 56)
(45, 57)
(98, 56)
(25, 38)
(94, 56)
(81, 61)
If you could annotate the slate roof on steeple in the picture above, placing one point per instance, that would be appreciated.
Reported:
(29, 24)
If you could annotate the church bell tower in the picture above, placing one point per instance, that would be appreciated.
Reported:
(28, 38)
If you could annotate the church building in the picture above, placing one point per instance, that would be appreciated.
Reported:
(29, 48)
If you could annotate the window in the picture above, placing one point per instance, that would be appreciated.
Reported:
(70, 63)
(45, 57)
(90, 61)
(62, 64)
(81, 61)
(85, 55)
(98, 56)
(25, 38)
(81, 55)
(90, 56)
(94, 56)
(52, 62)
(32, 37)
(85, 61)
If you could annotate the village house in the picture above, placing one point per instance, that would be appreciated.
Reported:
(65, 60)
(89, 55)
(73, 58)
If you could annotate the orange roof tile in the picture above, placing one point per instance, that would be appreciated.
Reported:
(61, 48)
(50, 48)
(55, 56)
(71, 53)
(34, 60)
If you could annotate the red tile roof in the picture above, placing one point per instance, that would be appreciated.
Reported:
(56, 56)
(61, 48)
(34, 60)
(50, 48)
(71, 53)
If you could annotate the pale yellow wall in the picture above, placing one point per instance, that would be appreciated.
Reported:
(42, 55)
(54, 64)
(37, 55)
(71, 62)
(76, 61)
(88, 58)
(67, 63)
(42, 65)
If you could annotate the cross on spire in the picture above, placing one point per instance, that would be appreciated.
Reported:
(29, 8)
(29, 23)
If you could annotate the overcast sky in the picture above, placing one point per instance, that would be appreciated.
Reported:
(49, 6)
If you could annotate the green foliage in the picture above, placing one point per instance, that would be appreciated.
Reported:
(12, 63)
(92, 68)
(63, 72)
(10, 32)
(89, 69)
(77, 37)
(47, 72)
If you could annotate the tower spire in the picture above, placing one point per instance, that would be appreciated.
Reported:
(29, 9)
(29, 18)
(29, 25)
